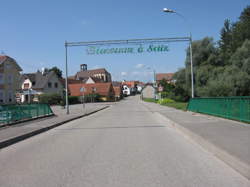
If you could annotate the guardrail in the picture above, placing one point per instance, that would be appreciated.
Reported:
(13, 113)
(237, 108)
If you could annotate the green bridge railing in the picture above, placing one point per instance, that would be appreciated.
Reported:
(13, 113)
(237, 108)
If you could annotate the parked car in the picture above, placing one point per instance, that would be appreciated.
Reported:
(126, 90)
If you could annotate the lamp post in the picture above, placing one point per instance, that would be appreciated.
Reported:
(154, 74)
(66, 78)
(166, 10)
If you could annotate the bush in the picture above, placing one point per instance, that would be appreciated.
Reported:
(165, 101)
(92, 98)
(51, 99)
(150, 100)
(73, 100)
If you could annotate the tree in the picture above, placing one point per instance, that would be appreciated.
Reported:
(226, 41)
(219, 70)
(167, 87)
(241, 29)
(57, 71)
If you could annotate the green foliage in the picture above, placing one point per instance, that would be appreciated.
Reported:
(150, 100)
(164, 101)
(219, 70)
(177, 105)
(74, 100)
(167, 87)
(51, 99)
(92, 98)
(57, 71)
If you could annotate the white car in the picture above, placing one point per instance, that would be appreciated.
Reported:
(126, 90)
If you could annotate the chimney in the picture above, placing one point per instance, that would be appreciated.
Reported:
(43, 70)
(83, 67)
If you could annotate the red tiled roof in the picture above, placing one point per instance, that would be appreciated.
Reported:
(130, 84)
(103, 89)
(2, 58)
(90, 73)
(167, 76)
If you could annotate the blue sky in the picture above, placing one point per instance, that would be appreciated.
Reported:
(33, 31)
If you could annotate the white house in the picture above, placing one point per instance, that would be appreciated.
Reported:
(35, 84)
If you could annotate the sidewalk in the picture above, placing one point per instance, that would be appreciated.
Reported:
(228, 140)
(12, 134)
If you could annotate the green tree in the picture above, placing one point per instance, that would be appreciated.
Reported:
(167, 87)
(57, 71)
(225, 42)
(241, 29)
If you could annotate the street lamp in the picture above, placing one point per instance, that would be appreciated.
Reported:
(166, 10)
(154, 74)
(66, 78)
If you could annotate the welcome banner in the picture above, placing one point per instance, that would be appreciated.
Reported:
(93, 50)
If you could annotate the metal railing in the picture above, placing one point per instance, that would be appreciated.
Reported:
(237, 108)
(13, 113)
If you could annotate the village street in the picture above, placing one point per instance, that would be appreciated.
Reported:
(124, 145)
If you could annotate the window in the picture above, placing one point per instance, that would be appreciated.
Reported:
(26, 85)
(1, 78)
(1, 96)
(56, 85)
(8, 66)
(49, 84)
(9, 79)
(10, 96)
(33, 83)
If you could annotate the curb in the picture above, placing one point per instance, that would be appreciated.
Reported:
(26, 120)
(233, 162)
(19, 138)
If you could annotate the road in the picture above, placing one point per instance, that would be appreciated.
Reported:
(125, 145)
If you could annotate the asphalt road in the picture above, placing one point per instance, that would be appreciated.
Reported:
(124, 145)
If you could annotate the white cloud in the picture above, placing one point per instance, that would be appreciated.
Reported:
(124, 73)
(138, 66)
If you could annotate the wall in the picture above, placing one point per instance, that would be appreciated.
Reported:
(11, 82)
(59, 90)
(148, 92)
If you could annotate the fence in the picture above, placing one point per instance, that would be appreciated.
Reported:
(237, 108)
(12, 113)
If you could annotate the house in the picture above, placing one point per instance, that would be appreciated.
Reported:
(105, 90)
(118, 90)
(97, 75)
(131, 84)
(9, 79)
(149, 91)
(164, 76)
(35, 84)
(134, 86)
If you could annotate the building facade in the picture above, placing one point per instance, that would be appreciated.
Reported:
(102, 74)
(9, 79)
(149, 91)
(164, 76)
(104, 90)
(35, 84)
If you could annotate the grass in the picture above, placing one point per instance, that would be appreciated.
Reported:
(150, 100)
(177, 105)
